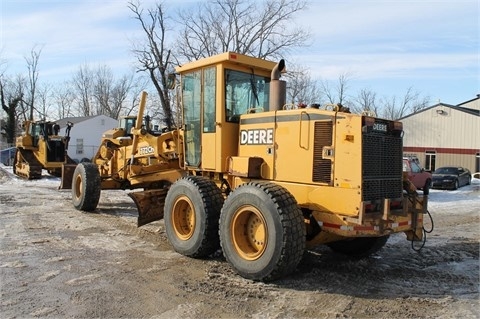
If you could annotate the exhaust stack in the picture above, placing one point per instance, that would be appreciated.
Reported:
(278, 88)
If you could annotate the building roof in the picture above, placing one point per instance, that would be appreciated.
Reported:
(75, 120)
(458, 107)
(469, 101)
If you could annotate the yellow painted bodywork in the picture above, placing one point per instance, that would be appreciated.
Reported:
(279, 146)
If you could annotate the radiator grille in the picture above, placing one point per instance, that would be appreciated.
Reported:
(382, 166)
(322, 168)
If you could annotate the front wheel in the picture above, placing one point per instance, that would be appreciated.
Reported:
(86, 186)
(262, 231)
(191, 213)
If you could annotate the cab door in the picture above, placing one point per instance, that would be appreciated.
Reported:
(209, 122)
(191, 98)
(199, 111)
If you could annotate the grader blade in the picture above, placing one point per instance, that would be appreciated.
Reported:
(67, 176)
(149, 205)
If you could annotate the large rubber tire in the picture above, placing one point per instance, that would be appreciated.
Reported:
(262, 231)
(86, 186)
(359, 247)
(191, 213)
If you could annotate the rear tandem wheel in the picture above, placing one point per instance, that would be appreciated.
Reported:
(262, 231)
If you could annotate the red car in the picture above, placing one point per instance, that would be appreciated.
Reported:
(417, 175)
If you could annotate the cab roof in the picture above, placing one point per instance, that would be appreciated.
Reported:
(225, 58)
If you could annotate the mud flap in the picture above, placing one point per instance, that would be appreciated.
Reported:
(149, 205)
(67, 176)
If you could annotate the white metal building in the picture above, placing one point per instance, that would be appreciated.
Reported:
(86, 134)
(445, 135)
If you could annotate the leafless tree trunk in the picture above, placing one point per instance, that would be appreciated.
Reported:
(257, 28)
(102, 86)
(43, 105)
(20, 85)
(153, 56)
(32, 65)
(83, 89)
(10, 98)
(63, 98)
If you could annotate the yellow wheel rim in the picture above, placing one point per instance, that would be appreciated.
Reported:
(249, 233)
(183, 218)
(77, 186)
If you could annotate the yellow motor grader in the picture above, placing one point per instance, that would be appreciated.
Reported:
(41, 147)
(258, 180)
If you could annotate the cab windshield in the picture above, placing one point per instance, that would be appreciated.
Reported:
(245, 93)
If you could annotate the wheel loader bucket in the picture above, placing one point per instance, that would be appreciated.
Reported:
(67, 176)
(149, 205)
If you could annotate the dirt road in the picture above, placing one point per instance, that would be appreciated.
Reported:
(56, 262)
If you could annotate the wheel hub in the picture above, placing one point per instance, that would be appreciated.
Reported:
(183, 218)
(249, 233)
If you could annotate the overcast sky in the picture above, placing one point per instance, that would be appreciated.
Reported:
(385, 46)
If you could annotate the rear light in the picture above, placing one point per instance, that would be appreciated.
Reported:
(368, 121)
(398, 126)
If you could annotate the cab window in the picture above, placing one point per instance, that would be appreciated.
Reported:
(209, 114)
(245, 93)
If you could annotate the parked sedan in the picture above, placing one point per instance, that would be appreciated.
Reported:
(451, 177)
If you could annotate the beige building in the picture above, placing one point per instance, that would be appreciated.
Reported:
(445, 135)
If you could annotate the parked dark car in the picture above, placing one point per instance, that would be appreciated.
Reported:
(421, 178)
(451, 177)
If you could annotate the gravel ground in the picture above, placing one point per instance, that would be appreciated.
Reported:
(57, 262)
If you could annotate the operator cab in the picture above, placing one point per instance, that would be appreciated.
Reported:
(216, 91)
(126, 123)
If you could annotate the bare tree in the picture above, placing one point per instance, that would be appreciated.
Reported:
(23, 108)
(97, 91)
(82, 84)
(366, 101)
(10, 98)
(119, 94)
(102, 86)
(411, 102)
(44, 95)
(153, 56)
(337, 92)
(257, 28)
(301, 89)
(32, 65)
(63, 97)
